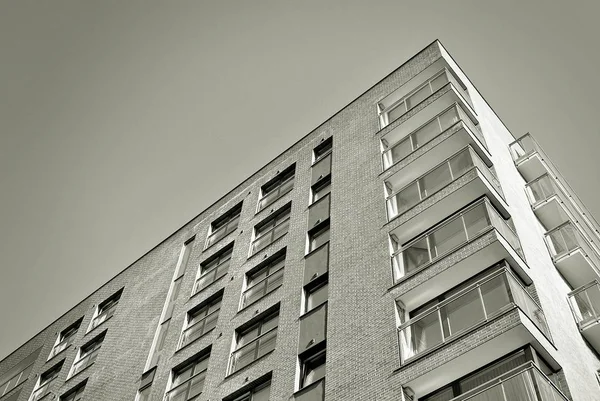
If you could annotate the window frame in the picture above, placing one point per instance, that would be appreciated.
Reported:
(275, 185)
(276, 219)
(308, 364)
(258, 324)
(55, 369)
(190, 364)
(323, 183)
(327, 144)
(197, 310)
(222, 223)
(323, 228)
(74, 392)
(63, 338)
(91, 349)
(105, 310)
(224, 255)
(249, 395)
(276, 262)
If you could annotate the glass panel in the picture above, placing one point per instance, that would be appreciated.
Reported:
(396, 112)
(262, 394)
(270, 324)
(316, 297)
(254, 293)
(435, 180)
(178, 394)
(196, 385)
(314, 373)
(447, 237)
(321, 190)
(248, 336)
(476, 220)
(415, 256)
(426, 133)
(461, 163)
(401, 150)
(182, 376)
(449, 118)
(439, 81)
(462, 313)
(421, 335)
(266, 343)
(274, 280)
(280, 230)
(319, 238)
(407, 198)
(418, 96)
(495, 294)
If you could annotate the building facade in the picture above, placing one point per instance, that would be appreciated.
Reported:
(409, 248)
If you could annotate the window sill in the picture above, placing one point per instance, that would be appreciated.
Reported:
(80, 372)
(194, 341)
(100, 325)
(248, 365)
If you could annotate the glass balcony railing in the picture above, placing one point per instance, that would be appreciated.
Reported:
(563, 240)
(439, 177)
(522, 148)
(459, 230)
(429, 131)
(435, 83)
(541, 189)
(491, 296)
(585, 304)
(524, 383)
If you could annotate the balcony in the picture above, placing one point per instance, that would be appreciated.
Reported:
(491, 296)
(572, 255)
(528, 157)
(585, 304)
(488, 325)
(390, 113)
(456, 182)
(547, 201)
(434, 133)
(426, 266)
(524, 383)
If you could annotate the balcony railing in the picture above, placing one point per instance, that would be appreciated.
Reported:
(248, 353)
(489, 297)
(262, 287)
(585, 304)
(563, 240)
(522, 148)
(439, 177)
(429, 131)
(285, 187)
(541, 189)
(199, 328)
(459, 230)
(524, 383)
(413, 98)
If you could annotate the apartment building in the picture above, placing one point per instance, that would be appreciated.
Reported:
(409, 248)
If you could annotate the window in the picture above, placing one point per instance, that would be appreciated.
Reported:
(318, 236)
(322, 150)
(269, 230)
(105, 310)
(87, 355)
(277, 187)
(201, 320)
(18, 374)
(65, 338)
(258, 393)
(254, 341)
(188, 381)
(74, 395)
(312, 369)
(224, 225)
(320, 189)
(263, 279)
(213, 268)
(42, 386)
(315, 296)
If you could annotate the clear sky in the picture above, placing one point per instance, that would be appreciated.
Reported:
(122, 120)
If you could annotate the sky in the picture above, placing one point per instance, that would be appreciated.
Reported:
(122, 120)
